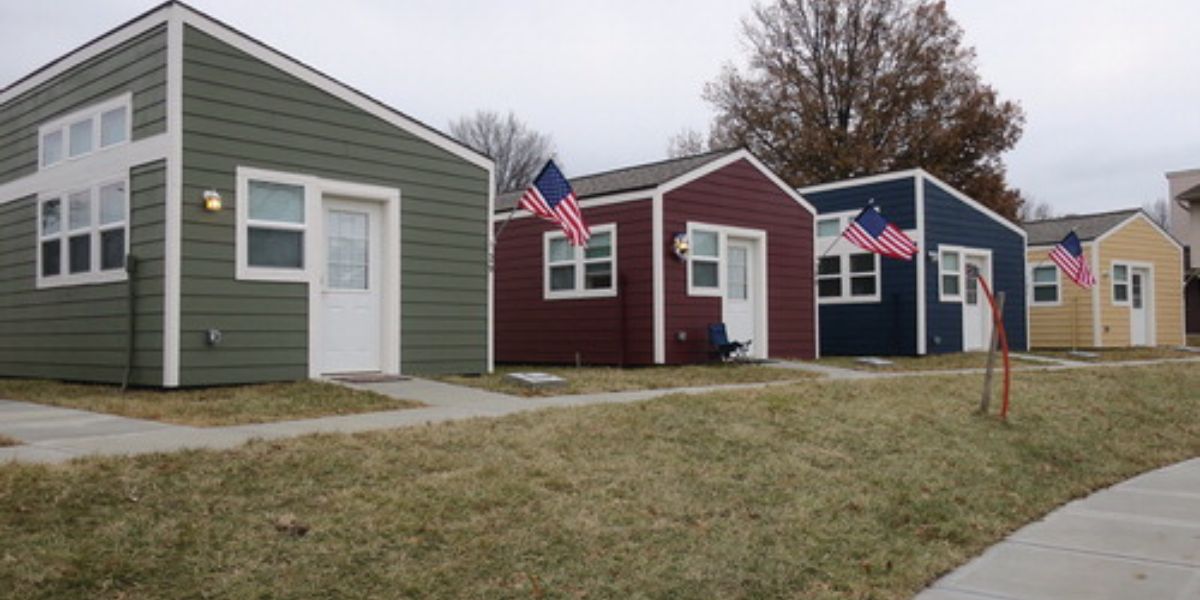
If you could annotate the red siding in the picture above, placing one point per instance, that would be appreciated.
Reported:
(739, 195)
(602, 330)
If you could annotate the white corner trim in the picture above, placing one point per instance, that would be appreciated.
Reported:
(173, 209)
(82, 170)
(490, 257)
(1097, 329)
(659, 274)
(89, 50)
(987, 212)
(329, 85)
(921, 258)
(857, 181)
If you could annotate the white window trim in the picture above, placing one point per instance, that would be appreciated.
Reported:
(1058, 287)
(93, 112)
(1113, 283)
(94, 275)
(839, 246)
(578, 262)
(312, 209)
(719, 260)
(961, 273)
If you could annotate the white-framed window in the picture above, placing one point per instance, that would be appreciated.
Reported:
(845, 273)
(84, 132)
(704, 261)
(1045, 286)
(1120, 285)
(950, 276)
(83, 234)
(580, 271)
(274, 211)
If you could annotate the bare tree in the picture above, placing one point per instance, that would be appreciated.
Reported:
(1033, 209)
(687, 142)
(842, 88)
(1159, 212)
(519, 151)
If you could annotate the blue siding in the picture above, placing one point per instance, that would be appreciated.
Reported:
(948, 220)
(888, 327)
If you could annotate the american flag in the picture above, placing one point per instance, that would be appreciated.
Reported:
(550, 197)
(871, 232)
(1068, 255)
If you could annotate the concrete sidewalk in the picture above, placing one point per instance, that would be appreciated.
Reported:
(1138, 540)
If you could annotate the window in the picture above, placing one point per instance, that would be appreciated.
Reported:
(275, 225)
(950, 274)
(704, 262)
(1120, 285)
(82, 235)
(581, 272)
(1044, 283)
(86, 131)
(845, 273)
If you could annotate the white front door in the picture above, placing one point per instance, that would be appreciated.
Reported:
(977, 312)
(1140, 292)
(740, 312)
(351, 287)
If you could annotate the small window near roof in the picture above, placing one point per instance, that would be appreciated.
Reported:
(950, 269)
(581, 272)
(113, 127)
(828, 228)
(1120, 284)
(275, 225)
(705, 259)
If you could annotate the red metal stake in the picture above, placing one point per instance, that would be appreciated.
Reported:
(998, 320)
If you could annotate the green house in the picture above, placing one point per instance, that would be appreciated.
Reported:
(181, 205)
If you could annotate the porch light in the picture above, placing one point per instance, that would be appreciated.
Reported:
(681, 246)
(212, 201)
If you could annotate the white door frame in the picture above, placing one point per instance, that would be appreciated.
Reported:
(963, 251)
(760, 348)
(388, 269)
(1149, 297)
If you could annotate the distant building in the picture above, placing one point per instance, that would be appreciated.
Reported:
(1184, 199)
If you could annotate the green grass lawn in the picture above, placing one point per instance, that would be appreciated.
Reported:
(587, 380)
(212, 406)
(825, 489)
(1121, 354)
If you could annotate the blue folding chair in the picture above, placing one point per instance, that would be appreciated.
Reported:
(723, 347)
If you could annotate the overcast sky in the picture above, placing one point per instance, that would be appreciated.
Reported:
(1109, 87)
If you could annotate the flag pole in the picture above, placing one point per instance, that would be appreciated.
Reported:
(870, 203)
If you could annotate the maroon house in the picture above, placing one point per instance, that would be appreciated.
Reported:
(635, 295)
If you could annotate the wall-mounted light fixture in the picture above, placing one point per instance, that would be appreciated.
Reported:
(212, 201)
(681, 246)
(932, 254)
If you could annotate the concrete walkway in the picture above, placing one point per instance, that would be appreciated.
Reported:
(1138, 540)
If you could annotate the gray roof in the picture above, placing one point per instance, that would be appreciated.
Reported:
(627, 179)
(1191, 194)
(1087, 227)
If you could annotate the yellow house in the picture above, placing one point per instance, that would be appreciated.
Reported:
(1138, 297)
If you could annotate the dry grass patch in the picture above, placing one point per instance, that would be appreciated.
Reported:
(589, 380)
(6, 441)
(213, 406)
(1193, 340)
(866, 489)
(1121, 354)
(929, 362)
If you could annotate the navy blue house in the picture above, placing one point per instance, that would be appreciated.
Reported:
(873, 305)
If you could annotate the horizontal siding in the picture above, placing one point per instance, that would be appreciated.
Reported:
(1138, 241)
(887, 327)
(238, 111)
(616, 330)
(1068, 325)
(739, 195)
(80, 332)
(137, 66)
(949, 220)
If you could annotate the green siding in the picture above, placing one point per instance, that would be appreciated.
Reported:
(137, 66)
(79, 332)
(239, 111)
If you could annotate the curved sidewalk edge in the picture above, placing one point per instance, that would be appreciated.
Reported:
(1137, 540)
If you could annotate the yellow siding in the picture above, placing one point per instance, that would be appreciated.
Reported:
(1054, 326)
(1140, 242)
